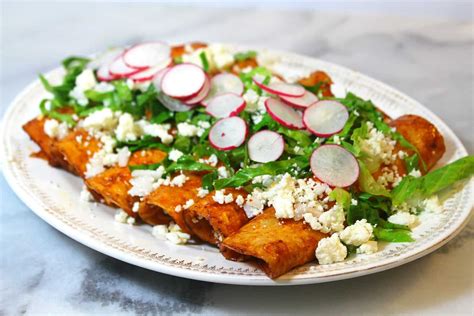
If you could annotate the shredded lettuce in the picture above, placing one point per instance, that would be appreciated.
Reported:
(342, 197)
(411, 188)
(368, 184)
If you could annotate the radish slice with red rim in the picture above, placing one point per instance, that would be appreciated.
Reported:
(103, 73)
(225, 105)
(146, 55)
(281, 88)
(105, 58)
(149, 73)
(201, 95)
(183, 81)
(334, 165)
(158, 77)
(172, 104)
(228, 133)
(284, 114)
(265, 146)
(119, 69)
(303, 102)
(325, 118)
(223, 83)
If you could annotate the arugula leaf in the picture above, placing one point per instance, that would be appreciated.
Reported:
(147, 142)
(56, 115)
(182, 144)
(188, 164)
(75, 62)
(247, 78)
(368, 184)
(245, 55)
(342, 197)
(153, 166)
(301, 138)
(437, 180)
(273, 168)
(204, 61)
(208, 180)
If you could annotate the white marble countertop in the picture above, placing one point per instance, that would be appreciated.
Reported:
(43, 271)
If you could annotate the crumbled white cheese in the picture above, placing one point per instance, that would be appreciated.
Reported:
(189, 130)
(332, 220)
(222, 198)
(415, 173)
(127, 130)
(122, 217)
(218, 56)
(404, 218)
(354, 202)
(86, 80)
(368, 248)
(156, 130)
(100, 120)
(432, 205)
(202, 192)
(178, 208)
(145, 181)
(188, 204)
(378, 145)
(54, 129)
(104, 87)
(159, 231)
(123, 155)
(357, 234)
(291, 198)
(136, 207)
(337, 140)
(331, 250)
(211, 161)
(240, 200)
(176, 235)
(175, 154)
(222, 172)
(179, 180)
(85, 195)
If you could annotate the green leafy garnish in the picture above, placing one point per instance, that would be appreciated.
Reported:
(245, 55)
(392, 235)
(204, 61)
(433, 182)
(342, 197)
(146, 142)
(245, 175)
(368, 184)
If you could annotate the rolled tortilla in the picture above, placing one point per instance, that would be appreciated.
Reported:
(76, 149)
(277, 245)
(112, 185)
(211, 221)
(424, 136)
(169, 200)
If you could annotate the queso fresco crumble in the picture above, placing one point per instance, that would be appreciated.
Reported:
(310, 156)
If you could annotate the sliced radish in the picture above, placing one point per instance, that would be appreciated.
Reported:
(281, 88)
(105, 58)
(225, 105)
(265, 146)
(172, 104)
(303, 102)
(284, 114)
(119, 69)
(158, 77)
(223, 83)
(183, 81)
(103, 73)
(201, 95)
(228, 133)
(149, 73)
(334, 165)
(325, 118)
(146, 55)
